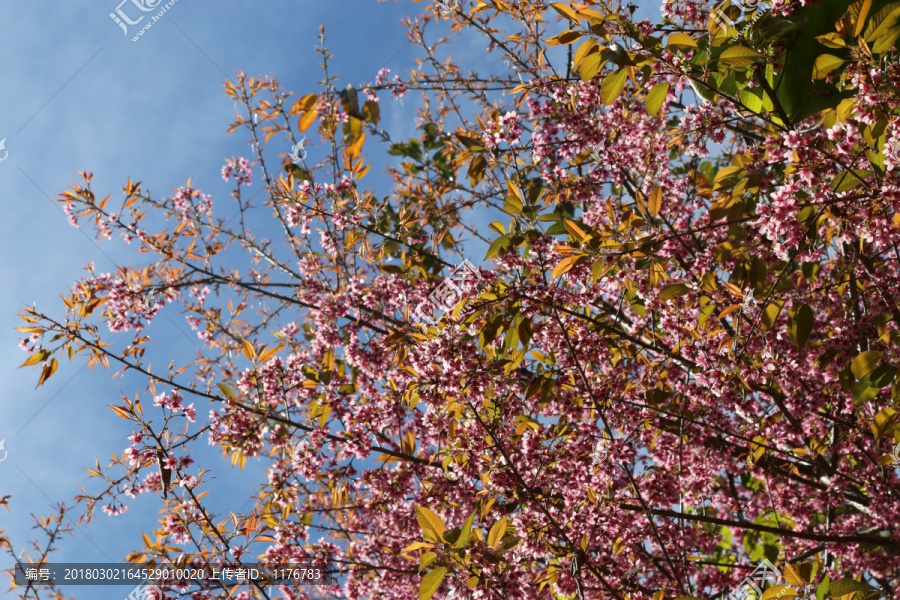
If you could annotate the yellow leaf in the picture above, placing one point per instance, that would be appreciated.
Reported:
(864, 7)
(779, 591)
(35, 358)
(426, 559)
(564, 39)
(681, 40)
(655, 98)
(45, 375)
(832, 40)
(354, 149)
(496, 533)
(431, 582)
(304, 104)
(884, 421)
(431, 524)
(655, 203)
(584, 49)
(591, 66)
(566, 264)
(675, 290)
(825, 64)
(612, 85)
(566, 11)
(249, 352)
(733, 289)
(740, 56)
(416, 546)
(863, 364)
(267, 355)
(575, 231)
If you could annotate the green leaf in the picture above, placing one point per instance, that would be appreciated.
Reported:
(674, 290)
(740, 56)
(864, 364)
(800, 324)
(822, 588)
(497, 246)
(655, 98)
(476, 170)
(431, 582)
(882, 376)
(703, 90)
(512, 205)
(612, 85)
(465, 533)
(842, 587)
(371, 112)
(845, 181)
(526, 329)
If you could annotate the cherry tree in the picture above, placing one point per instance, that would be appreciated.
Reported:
(676, 360)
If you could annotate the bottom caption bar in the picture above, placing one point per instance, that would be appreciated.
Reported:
(130, 574)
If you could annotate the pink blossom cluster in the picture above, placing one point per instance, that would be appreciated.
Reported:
(239, 169)
(189, 202)
(506, 130)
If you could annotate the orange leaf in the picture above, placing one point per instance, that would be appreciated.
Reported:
(307, 119)
(121, 411)
(566, 264)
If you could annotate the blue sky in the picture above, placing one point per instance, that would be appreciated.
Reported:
(80, 95)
